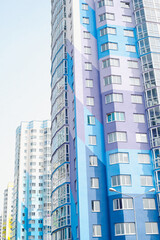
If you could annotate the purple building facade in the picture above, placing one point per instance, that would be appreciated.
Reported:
(105, 116)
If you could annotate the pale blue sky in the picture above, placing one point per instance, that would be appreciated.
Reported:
(24, 73)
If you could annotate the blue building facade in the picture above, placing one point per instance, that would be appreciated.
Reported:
(105, 115)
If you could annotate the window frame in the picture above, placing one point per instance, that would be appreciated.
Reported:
(130, 48)
(140, 137)
(136, 99)
(85, 20)
(121, 204)
(120, 181)
(117, 138)
(117, 157)
(144, 178)
(149, 204)
(113, 97)
(95, 161)
(107, 30)
(93, 204)
(88, 83)
(115, 118)
(92, 140)
(140, 118)
(124, 228)
(84, 6)
(125, 31)
(151, 228)
(94, 186)
(94, 231)
(143, 162)
(90, 120)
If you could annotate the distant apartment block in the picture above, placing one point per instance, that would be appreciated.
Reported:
(0, 227)
(31, 197)
(7, 212)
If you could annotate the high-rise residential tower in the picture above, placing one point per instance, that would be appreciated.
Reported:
(105, 79)
(32, 201)
(7, 213)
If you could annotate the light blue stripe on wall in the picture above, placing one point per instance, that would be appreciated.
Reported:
(117, 38)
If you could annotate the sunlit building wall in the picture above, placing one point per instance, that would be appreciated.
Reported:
(105, 78)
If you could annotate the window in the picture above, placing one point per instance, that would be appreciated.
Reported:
(85, 20)
(115, 116)
(136, 99)
(124, 229)
(32, 222)
(122, 203)
(89, 83)
(84, 6)
(87, 50)
(141, 137)
(125, 4)
(151, 227)
(95, 206)
(138, 118)
(91, 120)
(88, 66)
(109, 46)
(128, 33)
(106, 16)
(143, 158)
(76, 206)
(86, 35)
(114, 62)
(132, 64)
(117, 137)
(134, 81)
(105, 3)
(92, 140)
(149, 203)
(112, 79)
(97, 231)
(75, 185)
(31, 237)
(77, 232)
(127, 18)
(94, 182)
(90, 101)
(107, 30)
(121, 180)
(113, 97)
(130, 48)
(118, 158)
(146, 181)
(74, 143)
(93, 161)
(75, 163)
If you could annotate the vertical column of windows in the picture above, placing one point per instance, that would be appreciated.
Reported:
(60, 216)
(147, 24)
(95, 203)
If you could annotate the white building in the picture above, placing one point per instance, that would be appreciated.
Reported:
(0, 227)
(7, 212)
(32, 202)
